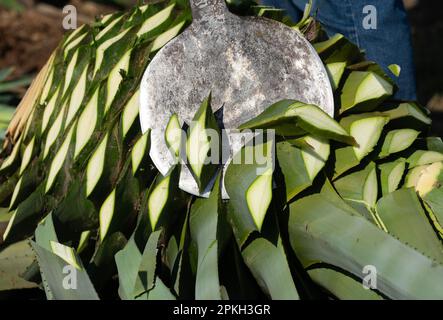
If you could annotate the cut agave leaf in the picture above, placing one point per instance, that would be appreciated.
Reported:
(423, 157)
(391, 174)
(174, 135)
(54, 132)
(360, 189)
(27, 155)
(395, 69)
(155, 21)
(95, 166)
(259, 196)
(203, 145)
(86, 123)
(244, 170)
(366, 132)
(338, 49)
(73, 44)
(404, 217)
(342, 286)
(162, 197)
(430, 178)
(140, 151)
(105, 46)
(130, 112)
(413, 175)
(320, 231)
(108, 28)
(49, 109)
(119, 207)
(364, 91)
(11, 162)
(115, 78)
(58, 160)
(166, 36)
(66, 253)
(297, 118)
(398, 140)
(70, 71)
(77, 96)
(408, 110)
(335, 71)
(300, 161)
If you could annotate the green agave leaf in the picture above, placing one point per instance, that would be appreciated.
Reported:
(203, 142)
(59, 283)
(247, 185)
(155, 21)
(269, 266)
(364, 91)
(174, 135)
(360, 189)
(161, 198)
(45, 233)
(423, 157)
(366, 131)
(434, 206)
(404, 217)
(408, 113)
(391, 174)
(395, 69)
(338, 49)
(119, 208)
(342, 286)
(290, 117)
(140, 154)
(430, 178)
(300, 164)
(371, 66)
(130, 113)
(398, 140)
(434, 144)
(413, 175)
(321, 231)
(203, 224)
(136, 269)
(25, 217)
(335, 71)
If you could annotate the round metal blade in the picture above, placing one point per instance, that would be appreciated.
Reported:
(247, 63)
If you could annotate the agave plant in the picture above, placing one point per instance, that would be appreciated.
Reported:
(339, 194)
(7, 95)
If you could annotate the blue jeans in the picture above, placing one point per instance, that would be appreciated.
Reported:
(389, 43)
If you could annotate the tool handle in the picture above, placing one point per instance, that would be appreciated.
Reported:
(207, 8)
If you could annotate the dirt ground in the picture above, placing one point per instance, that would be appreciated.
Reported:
(27, 38)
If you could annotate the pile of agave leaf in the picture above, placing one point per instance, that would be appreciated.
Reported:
(79, 190)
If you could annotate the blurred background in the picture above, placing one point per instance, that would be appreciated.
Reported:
(31, 29)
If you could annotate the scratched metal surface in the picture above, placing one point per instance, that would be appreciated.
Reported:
(247, 63)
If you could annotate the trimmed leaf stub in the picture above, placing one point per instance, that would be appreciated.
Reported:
(203, 146)
(248, 181)
(364, 91)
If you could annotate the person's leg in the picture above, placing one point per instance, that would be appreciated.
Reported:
(288, 5)
(389, 43)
